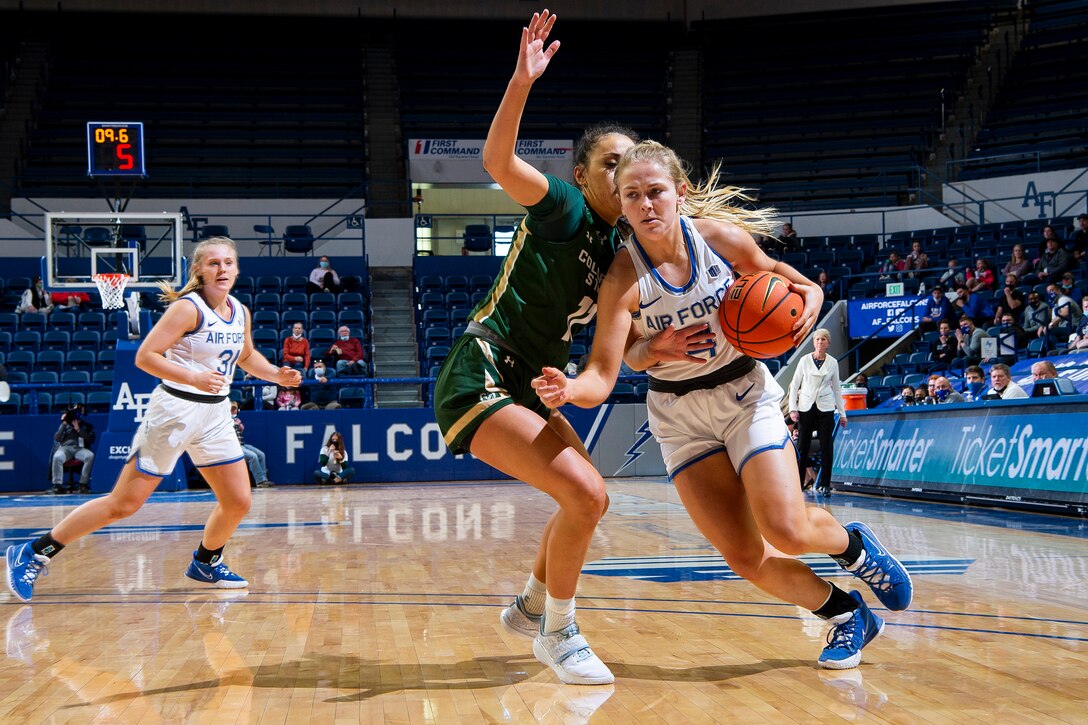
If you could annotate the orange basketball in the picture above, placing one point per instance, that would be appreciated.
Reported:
(758, 315)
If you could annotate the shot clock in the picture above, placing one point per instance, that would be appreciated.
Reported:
(115, 149)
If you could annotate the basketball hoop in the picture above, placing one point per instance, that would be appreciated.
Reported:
(112, 289)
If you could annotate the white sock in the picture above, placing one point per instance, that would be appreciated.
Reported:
(534, 596)
(558, 613)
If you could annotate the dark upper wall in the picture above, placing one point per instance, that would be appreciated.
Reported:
(687, 10)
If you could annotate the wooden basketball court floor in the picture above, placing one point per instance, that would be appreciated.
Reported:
(380, 604)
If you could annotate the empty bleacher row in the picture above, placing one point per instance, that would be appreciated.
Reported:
(815, 108)
(1039, 119)
(227, 112)
(458, 99)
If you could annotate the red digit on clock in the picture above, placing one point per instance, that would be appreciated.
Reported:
(127, 162)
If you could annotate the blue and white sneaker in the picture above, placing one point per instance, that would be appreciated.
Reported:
(847, 637)
(24, 568)
(517, 621)
(215, 574)
(888, 579)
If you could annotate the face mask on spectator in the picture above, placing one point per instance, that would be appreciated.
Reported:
(941, 393)
(966, 330)
(296, 335)
(1052, 296)
(975, 388)
(324, 265)
(319, 369)
(908, 398)
(345, 337)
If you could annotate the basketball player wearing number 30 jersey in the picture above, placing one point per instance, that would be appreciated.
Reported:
(194, 348)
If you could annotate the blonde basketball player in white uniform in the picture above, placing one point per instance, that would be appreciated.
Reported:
(193, 349)
(715, 412)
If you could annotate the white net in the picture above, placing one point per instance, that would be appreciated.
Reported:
(112, 289)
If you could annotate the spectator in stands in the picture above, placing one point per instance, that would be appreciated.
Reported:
(1018, 264)
(267, 394)
(906, 397)
(1011, 300)
(74, 440)
(970, 339)
(323, 394)
(1055, 261)
(1079, 341)
(944, 393)
(976, 384)
(789, 237)
(953, 277)
(35, 299)
(1049, 233)
(1043, 370)
(1064, 315)
(288, 399)
(974, 306)
(1036, 314)
(938, 308)
(323, 278)
(917, 259)
(71, 301)
(946, 348)
(814, 397)
(1078, 244)
(347, 351)
(1002, 385)
(829, 288)
(296, 349)
(922, 396)
(255, 459)
(891, 265)
(1010, 338)
(333, 460)
(1069, 288)
(981, 278)
(861, 380)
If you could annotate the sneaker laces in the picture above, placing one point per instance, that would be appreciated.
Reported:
(34, 569)
(873, 574)
(843, 635)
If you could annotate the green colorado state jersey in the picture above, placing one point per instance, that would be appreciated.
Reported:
(547, 288)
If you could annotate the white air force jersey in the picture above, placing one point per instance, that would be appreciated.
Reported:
(696, 302)
(214, 345)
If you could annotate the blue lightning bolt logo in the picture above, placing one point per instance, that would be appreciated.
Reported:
(633, 452)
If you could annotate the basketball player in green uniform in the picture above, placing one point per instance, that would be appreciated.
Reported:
(546, 290)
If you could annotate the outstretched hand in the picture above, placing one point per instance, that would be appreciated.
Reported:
(551, 387)
(814, 301)
(533, 56)
(671, 344)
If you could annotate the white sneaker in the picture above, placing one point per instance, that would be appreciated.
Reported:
(568, 653)
(517, 621)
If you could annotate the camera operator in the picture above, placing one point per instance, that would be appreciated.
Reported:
(74, 440)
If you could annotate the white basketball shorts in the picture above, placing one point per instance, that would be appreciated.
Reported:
(173, 426)
(742, 417)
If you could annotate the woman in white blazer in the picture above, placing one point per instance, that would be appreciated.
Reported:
(815, 395)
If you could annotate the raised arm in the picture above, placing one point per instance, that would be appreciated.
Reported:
(523, 183)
